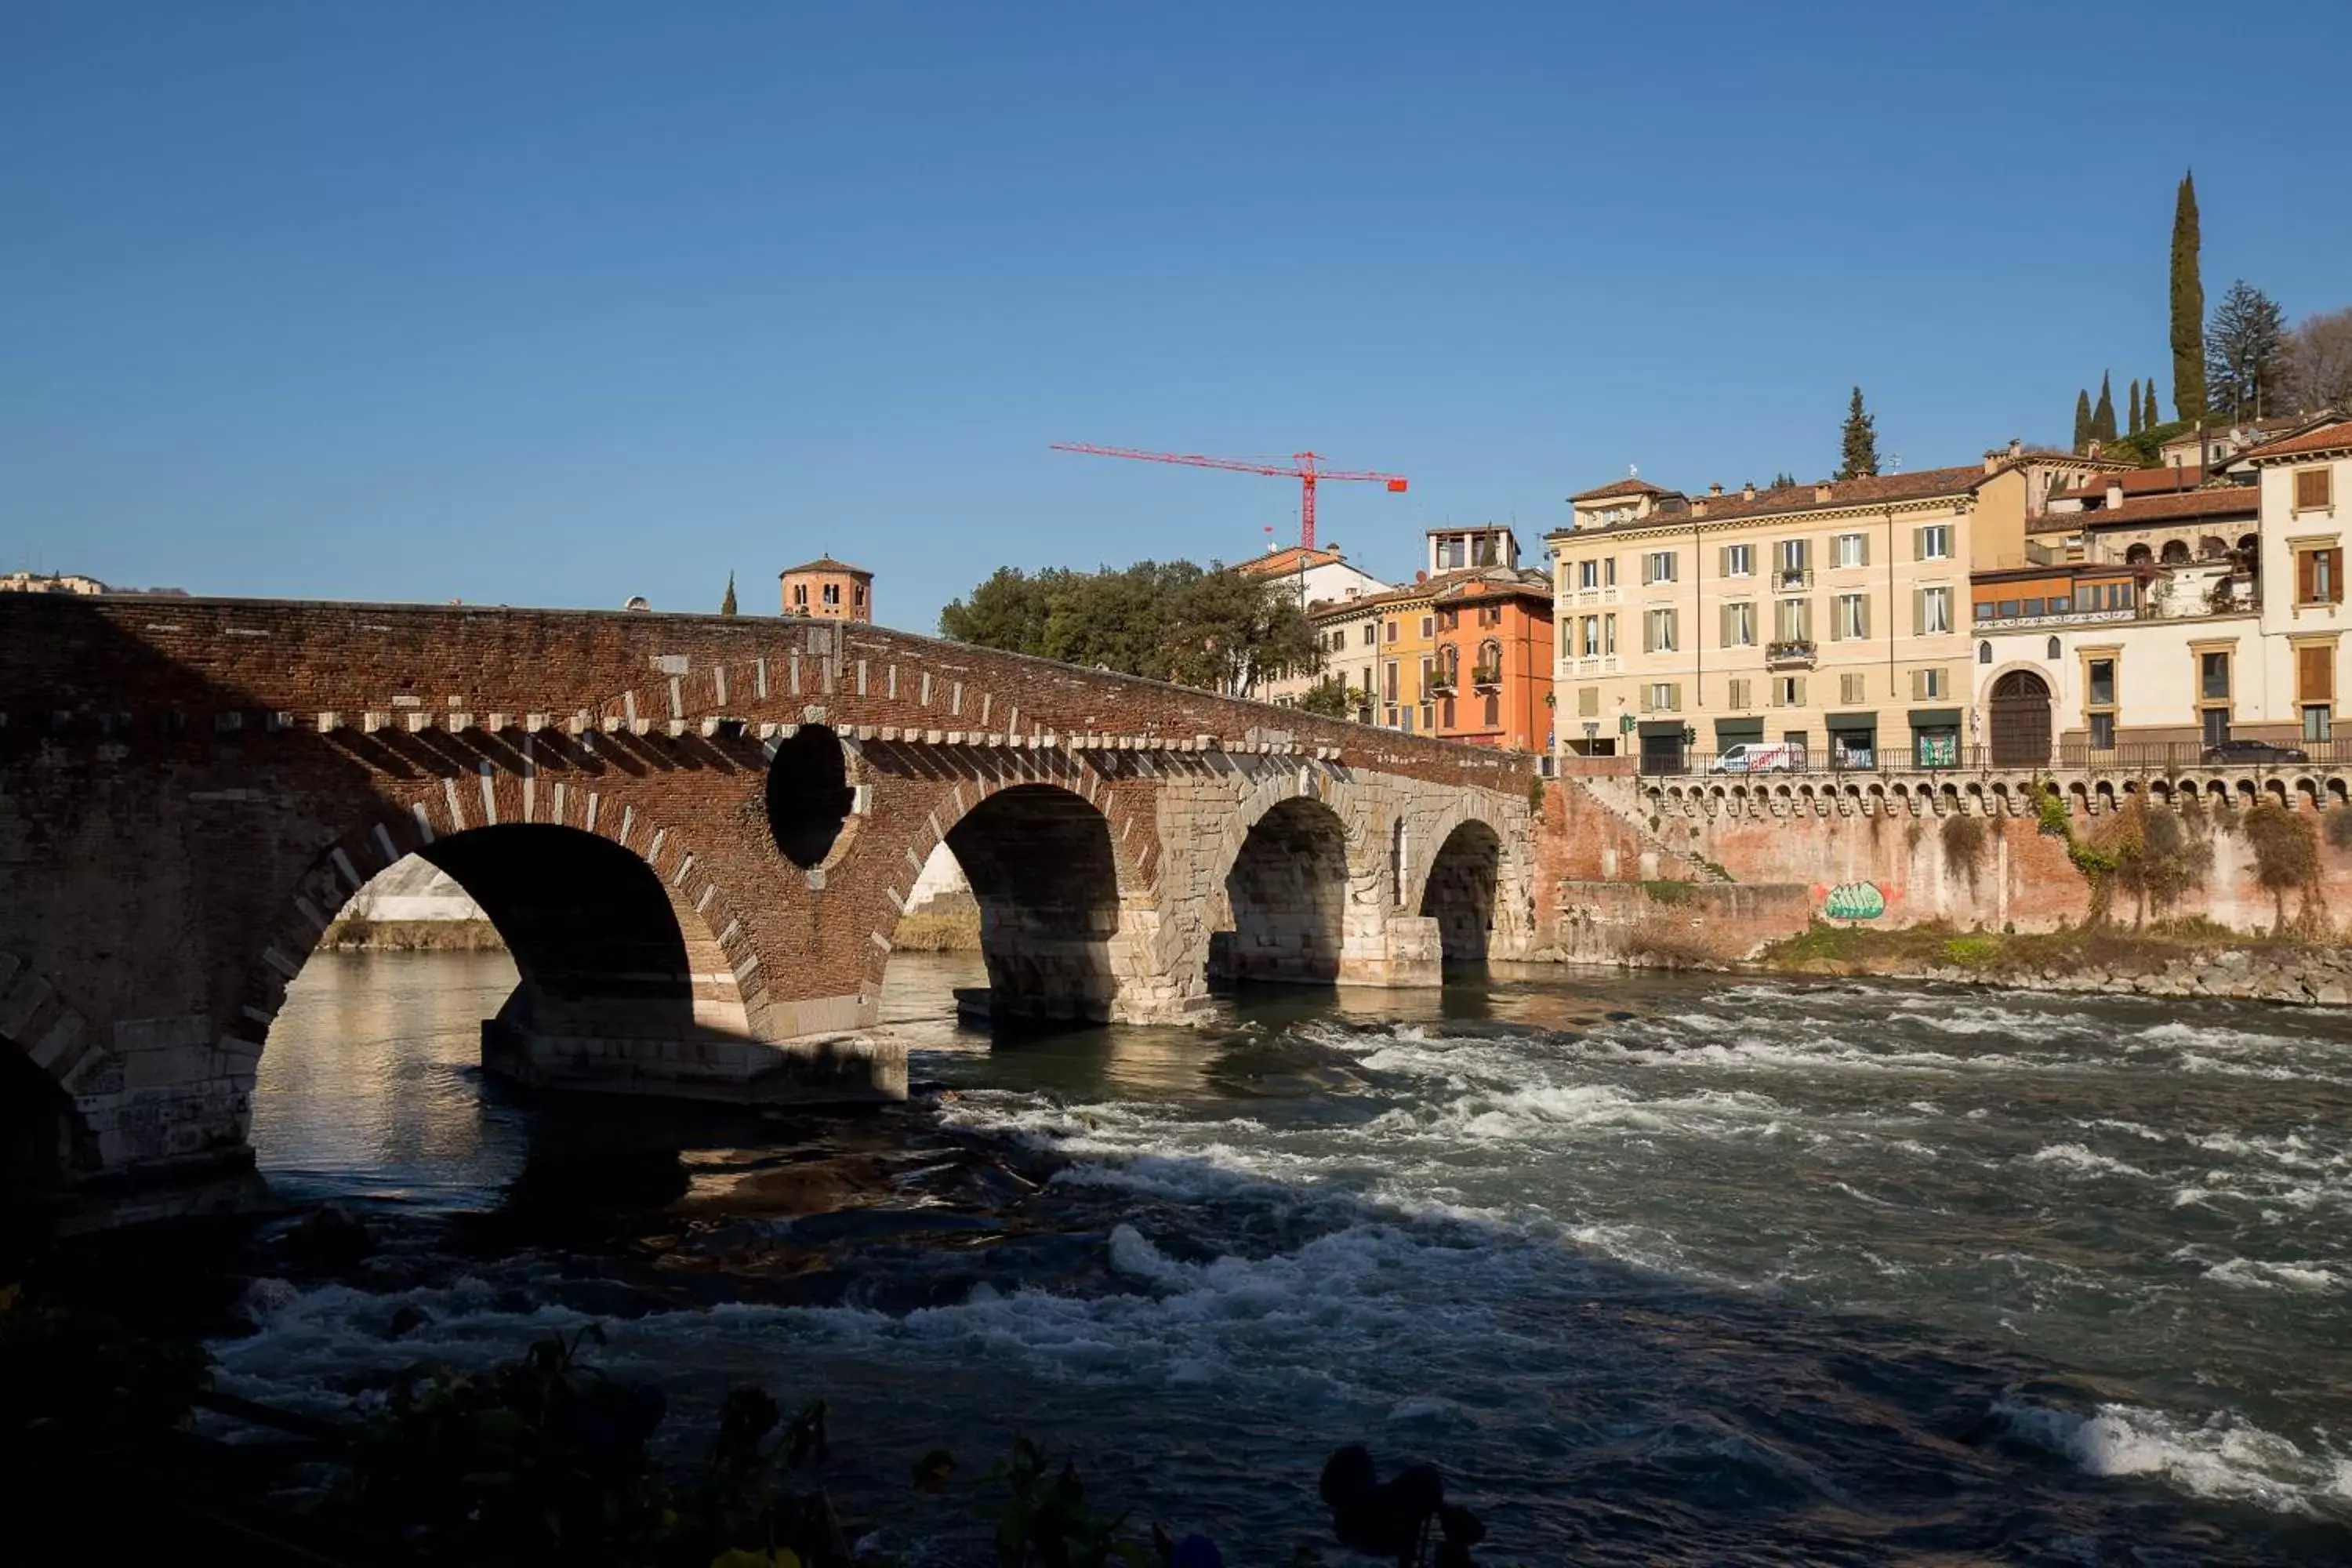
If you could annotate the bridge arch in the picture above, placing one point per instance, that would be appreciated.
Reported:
(45, 1052)
(617, 929)
(1459, 892)
(1287, 890)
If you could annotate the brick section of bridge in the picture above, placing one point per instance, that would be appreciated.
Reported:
(190, 788)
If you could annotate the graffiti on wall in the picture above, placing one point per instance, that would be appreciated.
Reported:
(1854, 901)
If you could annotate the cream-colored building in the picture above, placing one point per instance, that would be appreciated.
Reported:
(2161, 620)
(1830, 619)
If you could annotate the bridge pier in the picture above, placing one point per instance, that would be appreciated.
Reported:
(835, 1069)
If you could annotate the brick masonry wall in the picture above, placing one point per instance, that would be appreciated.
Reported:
(190, 789)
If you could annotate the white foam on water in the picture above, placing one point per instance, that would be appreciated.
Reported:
(2253, 1273)
(2075, 1157)
(2221, 1457)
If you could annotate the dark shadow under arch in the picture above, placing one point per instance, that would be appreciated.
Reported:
(1460, 892)
(1040, 863)
(1289, 892)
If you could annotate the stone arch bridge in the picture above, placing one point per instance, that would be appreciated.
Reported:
(695, 833)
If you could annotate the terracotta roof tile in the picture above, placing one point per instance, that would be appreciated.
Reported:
(2139, 481)
(1917, 485)
(1621, 487)
(2234, 501)
(2325, 438)
(825, 563)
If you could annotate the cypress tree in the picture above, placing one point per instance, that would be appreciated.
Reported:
(2151, 419)
(726, 605)
(2188, 307)
(2103, 418)
(2131, 402)
(2082, 421)
(1861, 442)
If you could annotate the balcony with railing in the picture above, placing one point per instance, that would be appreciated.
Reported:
(1789, 578)
(1487, 675)
(1791, 653)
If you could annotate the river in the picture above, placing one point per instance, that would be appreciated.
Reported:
(1656, 1270)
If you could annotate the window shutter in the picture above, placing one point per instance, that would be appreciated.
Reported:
(1797, 690)
(1588, 702)
(1861, 617)
(1862, 540)
(2303, 575)
(1919, 611)
(1722, 560)
(1674, 696)
(2311, 488)
(1722, 635)
(2316, 673)
(1919, 544)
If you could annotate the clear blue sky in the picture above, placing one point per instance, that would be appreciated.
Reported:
(554, 303)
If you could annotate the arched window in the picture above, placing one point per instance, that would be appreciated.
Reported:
(2175, 552)
(2054, 649)
(2138, 555)
(1984, 653)
(1449, 663)
(1489, 670)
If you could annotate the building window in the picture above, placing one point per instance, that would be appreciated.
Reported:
(1793, 620)
(2213, 676)
(1936, 541)
(1790, 559)
(2033, 607)
(2100, 679)
(2318, 722)
(1592, 637)
(1849, 618)
(832, 594)
(2217, 726)
(1372, 635)
(2059, 604)
(2051, 649)
(1663, 697)
(1428, 628)
(1658, 632)
(1454, 553)
(1658, 566)
(1849, 688)
(1607, 634)
(1984, 649)
(1935, 612)
(2315, 489)
(1740, 561)
(800, 596)
(2102, 732)
(1929, 684)
(1588, 573)
(1489, 667)
(2319, 576)
(1494, 714)
(1393, 630)
(1389, 682)
(1787, 691)
(1853, 549)
(1738, 693)
(1740, 625)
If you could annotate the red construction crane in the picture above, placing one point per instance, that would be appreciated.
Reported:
(1301, 467)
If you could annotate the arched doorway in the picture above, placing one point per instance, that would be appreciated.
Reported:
(1289, 892)
(2021, 721)
(1460, 893)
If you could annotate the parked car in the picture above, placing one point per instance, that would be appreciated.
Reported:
(2255, 753)
(1758, 757)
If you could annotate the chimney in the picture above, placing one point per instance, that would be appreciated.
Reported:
(1421, 576)
(1715, 489)
(1698, 509)
(1821, 492)
(1748, 490)
(2115, 494)
(2016, 447)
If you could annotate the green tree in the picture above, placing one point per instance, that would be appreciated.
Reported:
(2131, 402)
(1861, 442)
(2245, 353)
(1329, 697)
(1784, 481)
(2103, 418)
(2083, 420)
(726, 605)
(2149, 419)
(2188, 306)
(1224, 630)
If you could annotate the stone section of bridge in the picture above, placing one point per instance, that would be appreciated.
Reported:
(696, 834)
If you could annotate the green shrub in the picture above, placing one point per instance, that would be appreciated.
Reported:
(1972, 951)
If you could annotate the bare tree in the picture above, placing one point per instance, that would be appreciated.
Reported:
(2319, 362)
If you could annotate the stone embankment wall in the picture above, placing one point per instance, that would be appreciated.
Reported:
(1628, 874)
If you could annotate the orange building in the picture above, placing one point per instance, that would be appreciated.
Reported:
(1493, 671)
(830, 589)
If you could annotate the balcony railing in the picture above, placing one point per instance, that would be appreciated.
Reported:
(1486, 675)
(2145, 759)
(1791, 653)
(1792, 576)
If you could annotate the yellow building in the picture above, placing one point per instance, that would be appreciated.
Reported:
(1826, 624)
